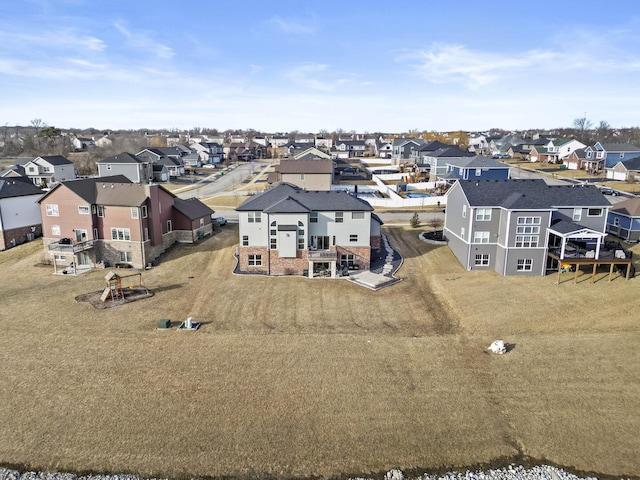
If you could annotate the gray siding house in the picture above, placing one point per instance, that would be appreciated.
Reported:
(136, 169)
(510, 225)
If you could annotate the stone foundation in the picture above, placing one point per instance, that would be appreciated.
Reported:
(20, 235)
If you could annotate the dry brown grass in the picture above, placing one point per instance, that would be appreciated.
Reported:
(299, 377)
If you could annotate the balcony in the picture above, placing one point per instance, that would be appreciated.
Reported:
(323, 255)
(66, 246)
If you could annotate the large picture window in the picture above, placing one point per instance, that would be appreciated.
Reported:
(120, 234)
(526, 241)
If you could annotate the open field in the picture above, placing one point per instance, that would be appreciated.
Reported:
(292, 377)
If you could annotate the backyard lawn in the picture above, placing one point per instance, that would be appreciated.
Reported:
(292, 377)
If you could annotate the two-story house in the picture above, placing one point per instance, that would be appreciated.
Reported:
(111, 220)
(348, 149)
(43, 171)
(435, 162)
(308, 174)
(475, 168)
(510, 225)
(209, 152)
(20, 219)
(136, 169)
(611, 153)
(291, 231)
(401, 148)
(169, 157)
(561, 148)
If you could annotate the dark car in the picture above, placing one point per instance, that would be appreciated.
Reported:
(220, 220)
(609, 191)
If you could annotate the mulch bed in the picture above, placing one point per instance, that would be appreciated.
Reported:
(130, 295)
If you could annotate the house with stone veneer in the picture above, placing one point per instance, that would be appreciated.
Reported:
(291, 231)
(111, 221)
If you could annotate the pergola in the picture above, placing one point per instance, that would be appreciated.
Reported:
(568, 252)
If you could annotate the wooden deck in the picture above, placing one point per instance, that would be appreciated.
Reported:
(606, 258)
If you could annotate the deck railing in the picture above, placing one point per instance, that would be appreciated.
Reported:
(323, 254)
(71, 247)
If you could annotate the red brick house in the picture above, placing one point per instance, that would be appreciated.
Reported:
(110, 221)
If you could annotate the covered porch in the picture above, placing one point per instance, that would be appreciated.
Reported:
(572, 245)
(71, 257)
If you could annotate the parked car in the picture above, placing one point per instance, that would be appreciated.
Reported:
(609, 191)
(208, 165)
(220, 220)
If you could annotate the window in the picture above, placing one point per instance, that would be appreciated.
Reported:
(483, 214)
(273, 231)
(126, 257)
(143, 209)
(101, 210)
(52, 210)
(134, 212)
(526, 241)
(313, 217)
(462, 233)
(524, 265)
(594, 212)
(273, 244)
(255, 217)
(55, 230)
(300, 243)
(255, 260)
(202, 222)
(482, 260)
(528, 229)
(352, 238)
(481, 237)
(529, 220)
(616, 222)
(146, 234)
(93, 209)
(339, 217)
(577, 214)
(84, 209)
(464, 211)
(59, 258)
(169, 226)
(357, 215)
(301, 233)
(120, 234)
(159, 207)
(95, 234)
(302, 176)
(245, 240)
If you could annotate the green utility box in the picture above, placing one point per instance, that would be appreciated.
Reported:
(164, 323)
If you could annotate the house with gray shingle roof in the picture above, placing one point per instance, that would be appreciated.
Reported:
(627, 170)
(510, 225)
(624, 220)
(306, 173)
(477, 168)
(612, 153)
(291, 231)
(136, 169)
(20, 219)
(111, 220)
(48, 170)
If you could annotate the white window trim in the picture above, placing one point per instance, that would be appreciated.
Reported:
(481, 237)
(483, 214)
(527, 265)
(52, 210)
(84, 209)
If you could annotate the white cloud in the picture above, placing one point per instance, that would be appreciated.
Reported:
(296, 27)
(142, 40)
(318, 76)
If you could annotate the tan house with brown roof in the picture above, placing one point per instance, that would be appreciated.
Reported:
(309, 174)
(110, 221)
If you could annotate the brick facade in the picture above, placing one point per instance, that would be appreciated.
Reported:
(289, 266)
(243, 254)
(362, 255)
(20, 235)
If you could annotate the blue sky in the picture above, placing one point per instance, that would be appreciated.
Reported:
(283, 65)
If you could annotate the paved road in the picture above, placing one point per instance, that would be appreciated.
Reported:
(209, 188)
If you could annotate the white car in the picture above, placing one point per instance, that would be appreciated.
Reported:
(208, 165)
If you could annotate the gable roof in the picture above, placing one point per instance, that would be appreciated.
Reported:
(287, 205)
(532, 194)
(311, 200)
(122, 158)
(630, 207)
(632, 164)
(86, 188)
(451, 151)
(304, 165)
(16, 187)
(192, 208)
(55, 160)
(479, 161)
(618, 147)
